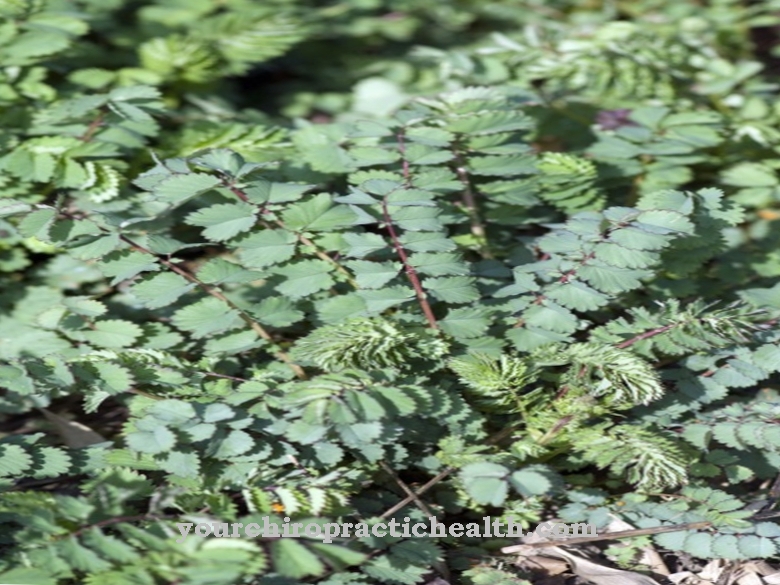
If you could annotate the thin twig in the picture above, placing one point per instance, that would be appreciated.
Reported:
(407, 490)
(431, 482)
(606, 536)
(627, 534)
(93, 127)
(225, 376)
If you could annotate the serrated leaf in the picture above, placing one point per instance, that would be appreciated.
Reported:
(531, 482)
(456, 289)
(261, 191)
(361, 245)
(177, 189)
(389, 569)
(489, 122)
(610, 279)
(486, 483)
(318, 214)
(13, 460)
(112, 333)
(223, 221)
(292, 559)
(304, 278)
(161, 290)
(114, 378)
(672, 540)
(429, 136)
(219, 270)
(277, 312)
(617, 255)
(84, 306)
(366, 156)
(552, 317)
(427, 242)
(206, 317)
(89, 247)
(749, 174)
(266, 247)
(421, 154)
(726, 546)
(110, 547)
(465, 322)
(501, 165)
(662, 221)
(638, 239)
(377, 301)
(126, 264)
(36, 224)
(155, 438)
(756, 547)
(235, 443)
(438, 264)
(80, 557)
(577, 295)
(373, 274)
(338, 556)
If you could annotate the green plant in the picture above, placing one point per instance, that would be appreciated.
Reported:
(540, 270)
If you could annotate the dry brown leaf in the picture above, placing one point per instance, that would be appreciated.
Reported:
(687, 578)
(547, 565)
(599, 574)
(74, 434)
(583, 568)
(713, 570)
(747, 578)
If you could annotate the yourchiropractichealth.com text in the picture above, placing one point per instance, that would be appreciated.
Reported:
(272, 528)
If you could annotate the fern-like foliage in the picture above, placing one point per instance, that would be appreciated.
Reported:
(604, 370)
(496, 382)
(368, 344)
(569, 182)
(676, 330)
(649, 459)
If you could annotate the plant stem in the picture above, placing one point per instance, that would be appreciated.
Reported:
(470, 203)
(411, 273)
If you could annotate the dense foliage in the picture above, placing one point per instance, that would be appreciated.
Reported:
(285, 258)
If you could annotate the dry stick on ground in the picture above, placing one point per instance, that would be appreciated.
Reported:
(624, 534)
(438, 565)
(407, 490)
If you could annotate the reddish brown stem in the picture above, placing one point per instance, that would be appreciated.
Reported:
(238, 193)
(411, 273)
(470, 203)
(645, 335)
(93, 127)
(404, 163)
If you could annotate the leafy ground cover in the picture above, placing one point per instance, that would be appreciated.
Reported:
(363, 260)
